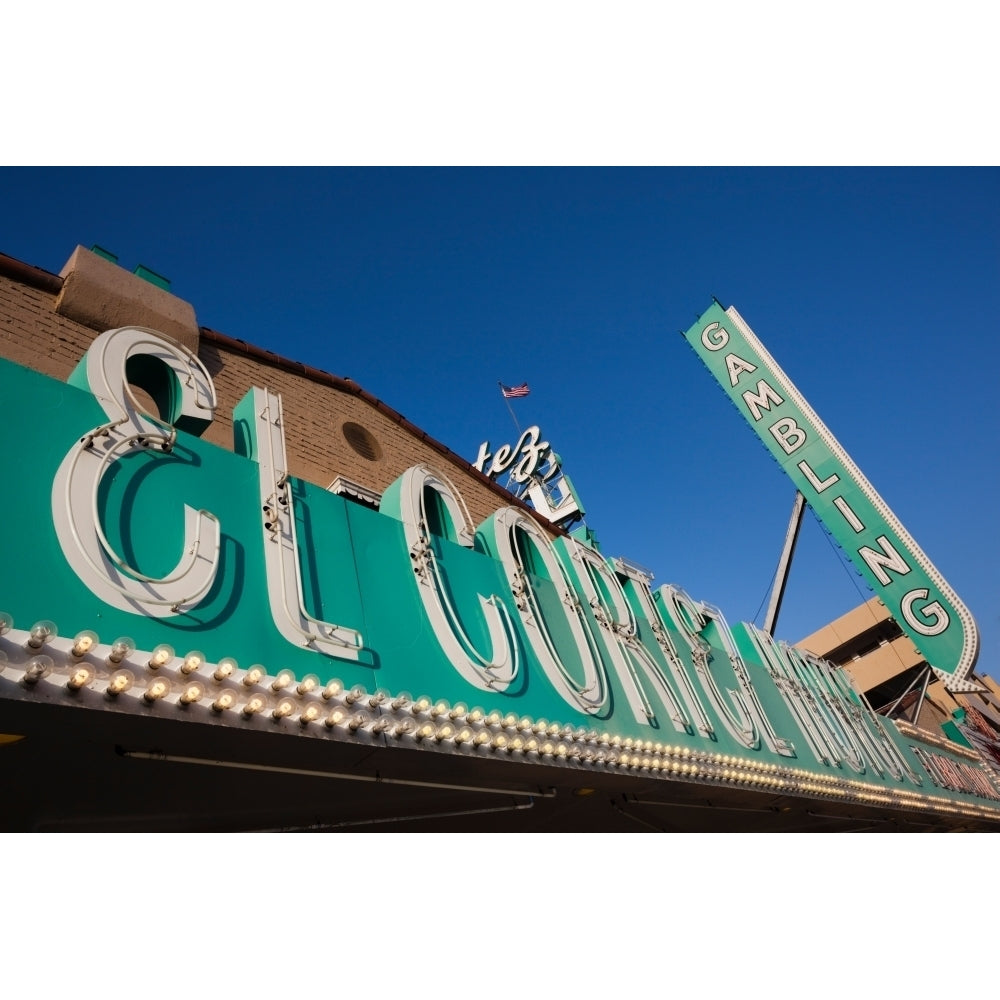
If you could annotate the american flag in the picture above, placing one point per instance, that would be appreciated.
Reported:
(514, 391)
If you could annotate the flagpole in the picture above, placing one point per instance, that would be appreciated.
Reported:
(509, 408)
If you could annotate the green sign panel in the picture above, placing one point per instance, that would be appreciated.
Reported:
(152, 572)
(918, 597)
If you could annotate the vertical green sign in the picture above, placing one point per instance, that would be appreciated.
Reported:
(913, 590)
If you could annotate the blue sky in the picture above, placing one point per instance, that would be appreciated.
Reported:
(873, 288)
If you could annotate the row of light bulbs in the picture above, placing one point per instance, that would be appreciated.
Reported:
(427, 722)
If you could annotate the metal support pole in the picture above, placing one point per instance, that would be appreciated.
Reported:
(892, 708)
(785, 563)
(923, 694)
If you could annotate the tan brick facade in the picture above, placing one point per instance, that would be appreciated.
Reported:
(316, 405)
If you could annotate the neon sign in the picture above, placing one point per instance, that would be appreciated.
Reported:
(183, 561)
(926, 607)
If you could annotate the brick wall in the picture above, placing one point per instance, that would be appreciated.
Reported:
(34, 335)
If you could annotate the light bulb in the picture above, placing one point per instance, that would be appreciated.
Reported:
(308, 683)
(495, 718)
(120, 648)
(475, 716)
(540, 726)
(463, 735)
(226, 700)
(254, 675)
(192, 661)
(510, 720)
(355, 694)
(119, 682)
(357, 721)
(193, 691)
(37, 668)
(403, 727)
(282, 680)
(6, 623)
(547, 748)
(283, 709)
(336, 717)
(382, 724)
(160, 656)
(80, 677)
(83, 643)
(402, 700)
(440, 708)
(499, 741)
(458, 710)
(378, 698)
(422, 704)
(332, 689)
(425, 731)
(158, 688)
(531, 745)
(524, 724)
(41, 632)
(256, 703)
(444, 732)
(482, 738)
(516, 743)
(225, 668)
(309, 714)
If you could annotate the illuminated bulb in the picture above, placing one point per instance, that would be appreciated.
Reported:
(531, 745)
(481, 738)
(40, 634)
(444, 732)
(119, 682)
(6, 623)
(309, 714)
(192, 661)
(495, 718)
(422, 704)
(336, 717)
(475, 716)
(440, 708)
(226, 700)
(402, 728)
(256, 704)
(37, 668)
(160, 656)
(516, 743)
(193, 691)
(548, 748)
(356, 721)
(524, 724)
(499, 742)
(284, 678)
(80, 678)
(561, 750)
(158, 688)
(333, 689)
(510, 720)
(308, 683)
(425, 731)
(254, 675)
(463, 735)
(225, 668)
(401, 701)
(553, 729)
(627, 744)
(121, 648)
(540, 726)
(458, 711)
(284, 708)
(83, 643)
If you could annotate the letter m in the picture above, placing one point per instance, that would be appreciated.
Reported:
(761, 399)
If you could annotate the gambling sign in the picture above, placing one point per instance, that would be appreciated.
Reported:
(927, 609)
